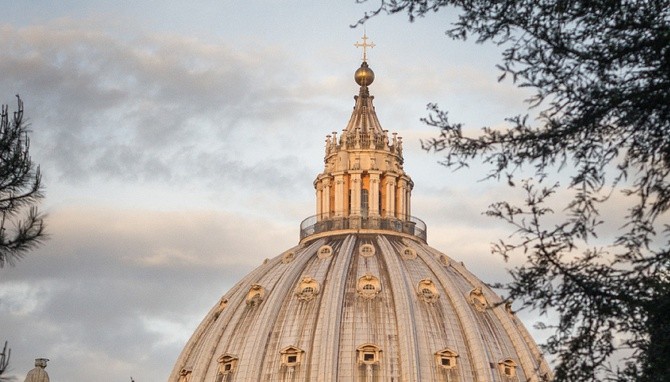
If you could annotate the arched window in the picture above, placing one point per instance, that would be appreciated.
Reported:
(325, 251)
(427, 291)
(366, 250)
(365, 205)
(307, 289)
(368, 286)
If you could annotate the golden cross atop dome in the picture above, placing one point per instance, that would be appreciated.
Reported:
(365, 46)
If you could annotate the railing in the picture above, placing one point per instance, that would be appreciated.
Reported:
(411, 226)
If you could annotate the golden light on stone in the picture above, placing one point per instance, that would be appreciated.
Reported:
(361, 296)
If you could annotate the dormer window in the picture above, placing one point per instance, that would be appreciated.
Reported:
(255, 295)
(185, 374)
(288, 257)
(427, 291)
(369, 354)
(446, 359)
(307, 289)
(478, 300)
(368, 286)
(291, 356)
(325, 251)
(227, 366)
(408, 254)
(367, 250)
(507, 368)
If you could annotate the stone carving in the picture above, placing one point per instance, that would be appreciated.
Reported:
(427, 291)
(288, 257)
(227, 364)
(368, 286)
(185, 374)
(477, 299)
(255, 295)
(444, 260)
(38, 374)
(307, 289)
(366, 250)
(408, 254)
(324, 252)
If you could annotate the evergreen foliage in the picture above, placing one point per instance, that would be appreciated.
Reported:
(21, 225)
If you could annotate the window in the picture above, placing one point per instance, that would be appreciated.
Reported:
(478, 300)
(325, 251)
(380, 203)
(307, 289)
(507, 367)
(446, 359)
(368, 354)
(255, 295)
(444, 260)
(364, 202)
(366, 250)
(291, 356)
(408, 254)
(185, 375)
(368, 286)
(427, 291)
(227, 365)
(288, 257)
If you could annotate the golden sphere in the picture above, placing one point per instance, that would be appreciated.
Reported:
(364, 75)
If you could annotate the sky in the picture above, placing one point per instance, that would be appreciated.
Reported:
(178, 143)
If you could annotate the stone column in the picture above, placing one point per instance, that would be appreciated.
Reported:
(325, 199)
(339, 195)
(374, 193)
(389, 203)
(319, 200)
(355, 193)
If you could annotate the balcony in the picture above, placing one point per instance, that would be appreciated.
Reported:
(410, 226)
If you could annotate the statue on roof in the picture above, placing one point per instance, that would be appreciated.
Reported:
(38, 374)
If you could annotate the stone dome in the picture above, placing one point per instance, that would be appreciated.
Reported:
(361, 297)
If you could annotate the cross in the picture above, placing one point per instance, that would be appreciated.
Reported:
(364, 45)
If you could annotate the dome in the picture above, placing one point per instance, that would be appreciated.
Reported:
(362, 296)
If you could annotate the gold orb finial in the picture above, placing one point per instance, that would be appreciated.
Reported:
(364, 75)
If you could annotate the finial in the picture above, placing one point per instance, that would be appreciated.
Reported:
(365, 46)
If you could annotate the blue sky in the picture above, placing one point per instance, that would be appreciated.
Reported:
(179, 143)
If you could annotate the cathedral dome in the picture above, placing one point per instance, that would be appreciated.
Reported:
(361, 297)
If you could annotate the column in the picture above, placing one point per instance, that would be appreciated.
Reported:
(355, 194)
(374, 194)
(339, 195)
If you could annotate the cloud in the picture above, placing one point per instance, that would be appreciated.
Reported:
(141, 106)
(126, 286)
